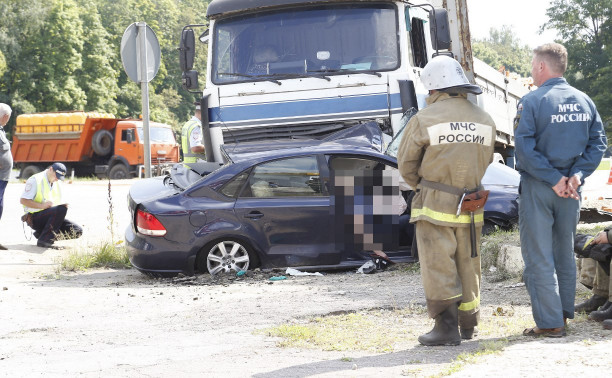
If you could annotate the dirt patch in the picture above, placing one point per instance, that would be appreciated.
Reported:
(121, 323)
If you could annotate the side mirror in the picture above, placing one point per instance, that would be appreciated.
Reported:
(190, 79)
(187, 50)
(204, 36)
(129, 135)
(440, 33)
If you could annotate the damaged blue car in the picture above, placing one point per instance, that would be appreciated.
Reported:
(279, 204)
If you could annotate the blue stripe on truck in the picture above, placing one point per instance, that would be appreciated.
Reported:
(300, 108)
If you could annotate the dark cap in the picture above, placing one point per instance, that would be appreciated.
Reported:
(60, 170)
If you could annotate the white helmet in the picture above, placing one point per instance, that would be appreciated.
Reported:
(445, 74)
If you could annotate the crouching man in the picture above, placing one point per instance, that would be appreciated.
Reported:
(595, 274)
(44, 205)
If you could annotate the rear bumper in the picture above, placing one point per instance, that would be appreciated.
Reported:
(158, 255)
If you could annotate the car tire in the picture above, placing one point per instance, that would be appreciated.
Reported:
(225, 256)
(119, 172)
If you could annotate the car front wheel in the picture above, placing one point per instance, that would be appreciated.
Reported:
(224, 256)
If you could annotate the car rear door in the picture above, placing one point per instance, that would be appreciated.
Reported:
(286, 211)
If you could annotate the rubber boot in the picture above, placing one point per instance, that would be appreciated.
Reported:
(590, 304)
(601, 315)
(446, 329)
(468, 333)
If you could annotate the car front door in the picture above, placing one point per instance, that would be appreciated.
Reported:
(286, 211)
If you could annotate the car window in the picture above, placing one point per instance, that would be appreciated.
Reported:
(294, 177)
(232, 187)
(345, 163)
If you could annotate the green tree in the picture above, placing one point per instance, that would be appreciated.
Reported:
(585, 29)
(503, 49)
(97, 77)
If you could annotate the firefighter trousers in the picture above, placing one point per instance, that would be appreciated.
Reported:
(449, 273)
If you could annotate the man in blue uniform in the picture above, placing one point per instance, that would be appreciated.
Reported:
(560, 140)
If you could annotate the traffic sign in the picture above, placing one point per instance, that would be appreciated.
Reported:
(132, 52)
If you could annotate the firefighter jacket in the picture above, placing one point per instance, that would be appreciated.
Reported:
(449, 142)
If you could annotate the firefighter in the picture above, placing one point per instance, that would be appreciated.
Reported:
(191, 138)
(444, 153)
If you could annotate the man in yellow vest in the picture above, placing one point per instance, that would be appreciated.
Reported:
(191, 138)
(444, 153)
(42, 198)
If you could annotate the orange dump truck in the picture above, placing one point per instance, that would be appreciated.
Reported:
(90, 143)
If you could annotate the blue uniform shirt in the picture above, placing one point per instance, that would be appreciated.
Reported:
(558, 133)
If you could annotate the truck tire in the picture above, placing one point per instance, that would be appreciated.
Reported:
(102, 142)
(28, 171)
(119, 172)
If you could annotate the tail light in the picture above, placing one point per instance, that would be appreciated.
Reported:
(147, 224)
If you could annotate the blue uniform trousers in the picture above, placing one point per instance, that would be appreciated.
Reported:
(52, 221)
(547, 225)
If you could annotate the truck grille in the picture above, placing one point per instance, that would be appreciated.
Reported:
(235, 135)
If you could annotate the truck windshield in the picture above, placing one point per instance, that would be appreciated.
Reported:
(158, 135)
(318, 40)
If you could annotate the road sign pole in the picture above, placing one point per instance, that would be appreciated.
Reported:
(144, 86)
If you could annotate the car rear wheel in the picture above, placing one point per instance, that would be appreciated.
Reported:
(226, 255)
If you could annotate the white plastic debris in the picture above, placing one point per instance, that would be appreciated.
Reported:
(366, 268)
(295, 272)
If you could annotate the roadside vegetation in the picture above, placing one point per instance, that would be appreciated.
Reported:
(110, 254)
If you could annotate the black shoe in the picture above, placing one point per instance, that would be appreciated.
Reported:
(36, 234)
(3, 248)
(44, 244)
(591, 304)
(601, 315)
(468, 333)
(607, 324)
(446, 329)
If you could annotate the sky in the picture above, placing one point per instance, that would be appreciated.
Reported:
(525, 16)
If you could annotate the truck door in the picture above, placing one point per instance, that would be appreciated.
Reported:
(127, 143)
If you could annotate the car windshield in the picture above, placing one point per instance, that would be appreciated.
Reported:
(305, 43)
(158, 135)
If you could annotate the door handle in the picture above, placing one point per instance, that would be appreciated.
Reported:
(254, 215)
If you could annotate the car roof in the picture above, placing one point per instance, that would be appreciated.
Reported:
(365, 138)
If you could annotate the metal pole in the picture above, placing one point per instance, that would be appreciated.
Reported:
(144, 85)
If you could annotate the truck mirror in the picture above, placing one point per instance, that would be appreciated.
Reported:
(204, 36)
(187, 50)
(190, 79)
(129, 137)
(440, 34)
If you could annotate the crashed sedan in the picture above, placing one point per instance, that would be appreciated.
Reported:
(300, 203)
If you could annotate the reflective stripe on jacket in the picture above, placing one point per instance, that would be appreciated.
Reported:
(44, 192)
(451, 142)
(188, 127)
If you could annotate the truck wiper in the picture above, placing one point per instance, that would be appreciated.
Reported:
(297, 75)
(332, 70)
(266, 77)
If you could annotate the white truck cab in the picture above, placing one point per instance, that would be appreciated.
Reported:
(291, 68)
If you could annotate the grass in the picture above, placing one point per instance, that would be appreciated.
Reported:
(376, 330)
(105, 255)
